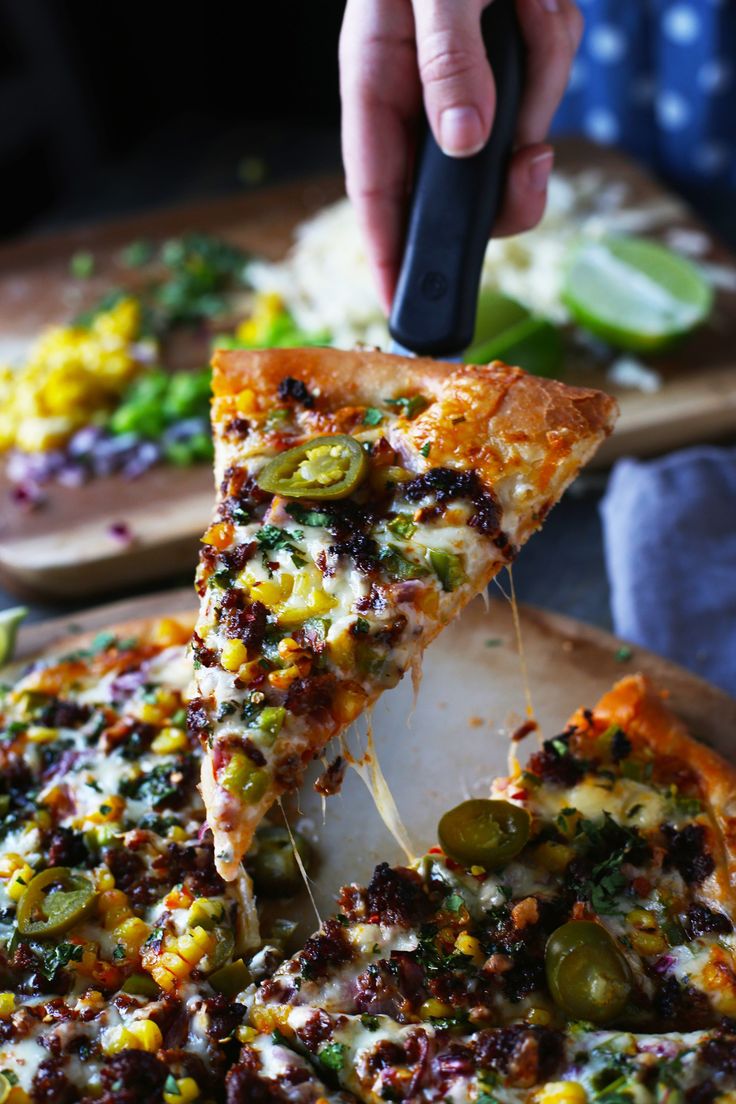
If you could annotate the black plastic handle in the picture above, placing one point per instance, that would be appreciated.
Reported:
(453, 208)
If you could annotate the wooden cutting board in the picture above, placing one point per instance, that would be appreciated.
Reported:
(69, 547)
(449, 743)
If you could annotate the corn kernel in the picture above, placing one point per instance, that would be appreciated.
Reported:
(169, 741)
(178, 898)
(542, 1017)
(434, 1009)
(245, 401)
(40, 734)
(206, 912)
(468, 945)
(266, 1019)
(150, 713)
(187, 1090)
(234, 653)
(147, 1033)
(132, 933)
(554, 857)
(163, 977)
(219, 535)
(117, 1039)
(245, 1034)
(176, 832)
(642, 918)
(282, 680)
(103, 879)
(648, 942)
(477, 871)
(18, 882)
(110, 810)
(167, 633)
(7, 1005)
(347, 703)
(10, 862)
(114, 907)
(175, 964)
(17, 1095)
(272, 592)
(561, 1092)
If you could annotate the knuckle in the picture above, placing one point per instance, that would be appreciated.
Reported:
(443, 62)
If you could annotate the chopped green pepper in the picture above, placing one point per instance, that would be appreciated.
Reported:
(140, 985)
(448, 568)
(270, 720)
(323, 468)
(402, 526)
(274, 866)
(397, 567)
(230, 979)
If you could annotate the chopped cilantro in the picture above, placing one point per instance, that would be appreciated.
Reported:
(82, 265)
(57, 957)
(155, 785)
(362, 625)
(453, 903)
(493, 642)
(10, 1076)
(624, 654)
(373, 416)
(137, 254)
(425, 449)
(409, 405)
(118, 952)
(332, 1056)
(308, 515)
(271, 538)
(371, 1023)
(171, 1086)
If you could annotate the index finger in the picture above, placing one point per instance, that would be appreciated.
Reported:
(380, 92)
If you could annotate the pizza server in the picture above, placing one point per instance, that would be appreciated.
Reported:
(453, 208)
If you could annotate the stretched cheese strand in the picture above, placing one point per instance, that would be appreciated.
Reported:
(300, 864)
(369, 769)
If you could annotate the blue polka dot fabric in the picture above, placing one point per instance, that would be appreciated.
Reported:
(658, 78)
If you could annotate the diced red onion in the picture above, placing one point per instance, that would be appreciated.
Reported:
(120, 531)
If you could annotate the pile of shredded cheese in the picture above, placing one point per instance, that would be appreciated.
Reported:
(325, 282)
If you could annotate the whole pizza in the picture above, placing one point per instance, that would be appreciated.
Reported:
(568, 936)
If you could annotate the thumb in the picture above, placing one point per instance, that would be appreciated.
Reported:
(459, 93)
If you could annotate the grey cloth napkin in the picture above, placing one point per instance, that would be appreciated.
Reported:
(669, 528)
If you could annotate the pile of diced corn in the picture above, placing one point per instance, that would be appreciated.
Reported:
(73, 374)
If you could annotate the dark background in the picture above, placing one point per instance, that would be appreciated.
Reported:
(107, 108)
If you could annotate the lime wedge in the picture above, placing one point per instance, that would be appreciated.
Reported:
(533, 344)
(10, 619)
(496, 313)
(635, 293)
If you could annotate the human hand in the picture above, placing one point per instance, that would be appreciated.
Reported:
(394, 54)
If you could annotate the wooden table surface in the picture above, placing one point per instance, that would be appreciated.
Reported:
(69, 547)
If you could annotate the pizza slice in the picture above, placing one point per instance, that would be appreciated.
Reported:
(575, 927)
(363, 500)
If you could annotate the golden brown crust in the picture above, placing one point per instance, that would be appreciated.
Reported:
(639, 709)
(493, 418)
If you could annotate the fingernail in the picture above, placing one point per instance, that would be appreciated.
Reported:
(550, 5)
(461, 131)
(540, 169)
